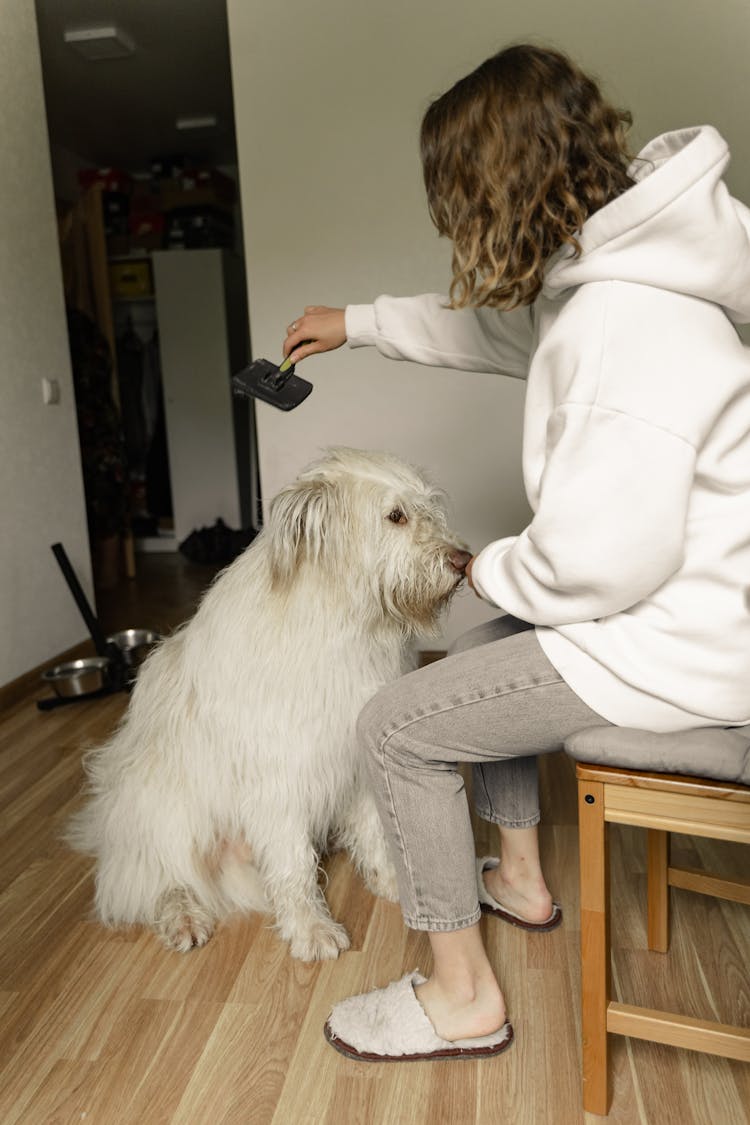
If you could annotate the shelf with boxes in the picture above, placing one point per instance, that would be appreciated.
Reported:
(174, 206)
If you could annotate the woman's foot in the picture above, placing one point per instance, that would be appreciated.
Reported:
(523, 894)
(462, 1011)
(391, 1025)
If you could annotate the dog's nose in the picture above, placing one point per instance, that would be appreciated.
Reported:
(459, 560)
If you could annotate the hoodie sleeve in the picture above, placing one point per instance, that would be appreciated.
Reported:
(425, 330)
(609, 527)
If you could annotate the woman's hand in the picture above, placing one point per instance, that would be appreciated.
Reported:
(320, 329)
(467, 574)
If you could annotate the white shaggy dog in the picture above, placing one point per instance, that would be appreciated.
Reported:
(236, 762)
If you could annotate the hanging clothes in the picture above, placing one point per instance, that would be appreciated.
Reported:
(130, 362)
(100, 434)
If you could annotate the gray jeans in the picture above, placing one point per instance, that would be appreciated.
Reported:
(496, 702)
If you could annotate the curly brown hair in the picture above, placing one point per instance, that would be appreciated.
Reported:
(516, 156)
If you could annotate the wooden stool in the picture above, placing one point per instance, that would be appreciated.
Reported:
(661, 803)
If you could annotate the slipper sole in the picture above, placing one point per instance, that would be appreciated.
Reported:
(444, 1053)
(552, 922)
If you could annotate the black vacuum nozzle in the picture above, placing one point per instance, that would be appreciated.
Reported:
(266, 381)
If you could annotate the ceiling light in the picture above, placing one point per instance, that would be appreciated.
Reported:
(206, 121)
(96, 43)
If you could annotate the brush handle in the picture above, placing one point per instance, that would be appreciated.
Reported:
(287, 365)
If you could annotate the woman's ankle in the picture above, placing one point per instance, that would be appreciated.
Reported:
(458, 1011)
(465, 985)
(462, 997)
(521, 878)
(524, 893)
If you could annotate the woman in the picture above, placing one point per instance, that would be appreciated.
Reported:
(612, 287)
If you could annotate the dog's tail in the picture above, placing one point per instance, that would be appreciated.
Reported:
(79, 833)
(129, 877)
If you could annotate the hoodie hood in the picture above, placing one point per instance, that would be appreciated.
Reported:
(677, 228)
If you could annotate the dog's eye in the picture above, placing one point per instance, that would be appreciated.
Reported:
(397, 516)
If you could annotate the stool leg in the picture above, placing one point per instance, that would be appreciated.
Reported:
(595, 951)
(658, 890)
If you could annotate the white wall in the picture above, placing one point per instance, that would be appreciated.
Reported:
(328, 99)
(41, 492)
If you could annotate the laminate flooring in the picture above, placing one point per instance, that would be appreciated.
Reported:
(109, 1028)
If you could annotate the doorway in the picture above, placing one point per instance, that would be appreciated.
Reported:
(141, 129)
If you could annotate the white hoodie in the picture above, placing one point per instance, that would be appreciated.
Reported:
(636, 450)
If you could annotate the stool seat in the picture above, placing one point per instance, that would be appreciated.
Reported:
(721, 753)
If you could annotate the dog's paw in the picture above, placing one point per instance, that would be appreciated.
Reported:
(183, 932)
(322, 942)
(382, 882)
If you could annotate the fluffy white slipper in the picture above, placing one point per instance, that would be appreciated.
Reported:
(390, 1025)
(490, 906)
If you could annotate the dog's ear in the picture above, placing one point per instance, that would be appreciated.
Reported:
(299, 517)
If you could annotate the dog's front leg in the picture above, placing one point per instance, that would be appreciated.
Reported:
(361, 833)
(290, 875)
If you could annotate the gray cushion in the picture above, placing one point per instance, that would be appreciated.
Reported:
(722, 753)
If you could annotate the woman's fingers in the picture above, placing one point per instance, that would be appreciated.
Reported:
(295, 338)
(320, 329)
(303, 349)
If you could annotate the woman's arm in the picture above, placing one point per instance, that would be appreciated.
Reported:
(426, 330)
(609, 527)
(421, 329)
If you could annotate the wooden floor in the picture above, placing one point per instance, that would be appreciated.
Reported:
(109, 1028)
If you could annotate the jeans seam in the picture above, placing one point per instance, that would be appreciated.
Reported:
(488, 799)
(397, 827)
(468, 703)
(433, 925)
(493, 818)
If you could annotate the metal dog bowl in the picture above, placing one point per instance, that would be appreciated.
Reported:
(78, 677)
(134, 644)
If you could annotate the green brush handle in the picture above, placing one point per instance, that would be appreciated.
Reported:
(287, 363)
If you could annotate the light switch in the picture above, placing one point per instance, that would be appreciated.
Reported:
(50, 392)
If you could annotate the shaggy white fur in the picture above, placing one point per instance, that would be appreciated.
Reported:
(237, 762)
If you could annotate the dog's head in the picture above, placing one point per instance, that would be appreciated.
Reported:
(375, 529)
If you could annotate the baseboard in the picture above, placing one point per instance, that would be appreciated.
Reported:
(13, 692)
